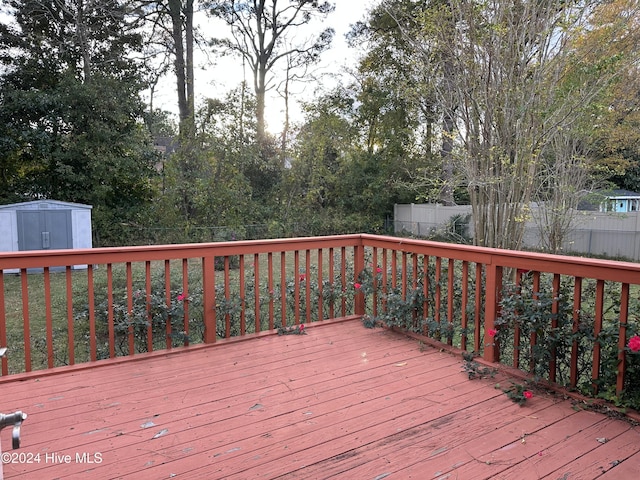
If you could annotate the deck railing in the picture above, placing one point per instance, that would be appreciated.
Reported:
(564, 319)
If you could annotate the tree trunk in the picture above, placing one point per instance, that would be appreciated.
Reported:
(183, 62)
(261, 90)
(189, 61)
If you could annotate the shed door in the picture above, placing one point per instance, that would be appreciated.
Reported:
(44, 230)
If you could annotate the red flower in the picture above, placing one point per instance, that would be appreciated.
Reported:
(634, 344)
(181, 297)
(301, 327)
(492, 332)
(527, 394)
(303, 277)
(379, 270)
(357, 286)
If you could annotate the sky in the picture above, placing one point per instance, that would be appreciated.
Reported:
(214, 81)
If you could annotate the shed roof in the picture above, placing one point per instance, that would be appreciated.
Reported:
(35, 204)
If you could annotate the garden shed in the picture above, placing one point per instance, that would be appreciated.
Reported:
(44, 225)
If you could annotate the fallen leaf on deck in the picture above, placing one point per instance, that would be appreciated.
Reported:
(401, 364)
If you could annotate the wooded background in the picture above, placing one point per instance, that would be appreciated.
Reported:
(491, 104)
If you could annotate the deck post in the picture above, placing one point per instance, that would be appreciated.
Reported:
(493, 290)
(358, 268)
(209, 298)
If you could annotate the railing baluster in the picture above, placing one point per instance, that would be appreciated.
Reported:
(185, 300)
(403, 275)
(283, 287)
(243, 299)
(209, 298)
(320, 280)
(555, 309)
(394, 269)
(438, 294)
(129, 294)
(256, 289)
(622, 338)
(296, 289)
(597, 328)
(271, 292)
(307, 285)
(48, 316)
(227, 297)
(425, 291)
(25, 319)
(374, 273)
(93, 349)
(463, 307)
(450, 298)
(358, 268)
(147, 300)
(385, 285)
(516, 328)
(577, 306)
(343, 276)
(477, 319)
(332, 280)
(110, 313)
(3, 326)
(168, 300)
(70, 316)
(533, 340)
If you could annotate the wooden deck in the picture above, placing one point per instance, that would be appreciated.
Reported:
(340, 402)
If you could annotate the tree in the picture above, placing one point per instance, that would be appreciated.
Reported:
(500, 67)
(397, 106)
(260, 29)
(70, 111)
(171, 33)
(397, 29)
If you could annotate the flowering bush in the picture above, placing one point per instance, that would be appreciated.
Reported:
(292, 330)
(517, 393)
(417, 307)
(548, 334)
(536, 329)
(634, 344)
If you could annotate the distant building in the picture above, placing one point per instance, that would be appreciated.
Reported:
(620, 201)
(166, 146)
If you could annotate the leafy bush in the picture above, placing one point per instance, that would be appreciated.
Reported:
(546, 336)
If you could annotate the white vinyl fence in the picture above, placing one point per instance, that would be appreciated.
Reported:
(615, 235)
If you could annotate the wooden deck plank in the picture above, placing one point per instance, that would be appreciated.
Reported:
(339, 402)
(629, 468)
(437, 438)
(618, 448)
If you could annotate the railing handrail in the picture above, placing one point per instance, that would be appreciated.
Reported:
(563, 264)
(54, 258)
(601, 269)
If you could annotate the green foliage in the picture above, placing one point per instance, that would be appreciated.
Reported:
(474, 370)
(517, 393)
(546, 337)
(70, 113)
(414, 307)
(336, 184)
(536, 327)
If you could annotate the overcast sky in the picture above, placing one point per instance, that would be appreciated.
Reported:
(216, 80)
